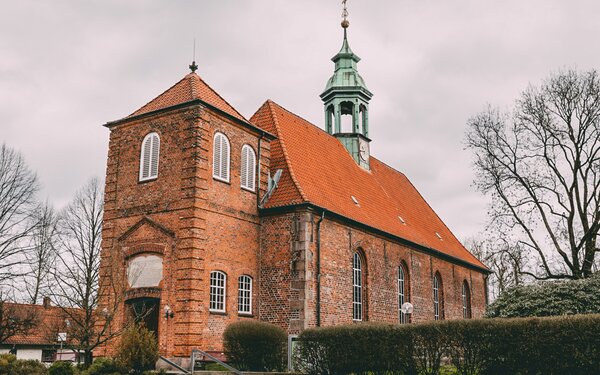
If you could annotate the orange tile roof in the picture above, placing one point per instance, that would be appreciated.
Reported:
(318, 170)
(45, 332)
(191, 87)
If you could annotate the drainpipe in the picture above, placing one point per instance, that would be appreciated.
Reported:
(258, 172)
(319, 268)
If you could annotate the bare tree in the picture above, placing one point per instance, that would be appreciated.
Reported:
(504, 259)
(18, 187)
(541, 166)
(78, 265)
(15, 320)
(41, 257)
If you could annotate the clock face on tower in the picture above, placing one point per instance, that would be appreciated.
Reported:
(363, 152)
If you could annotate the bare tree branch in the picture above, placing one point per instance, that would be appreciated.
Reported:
(541, 166)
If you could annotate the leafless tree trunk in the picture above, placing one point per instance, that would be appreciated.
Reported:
(76, 279)
(42, 255)
(18, 187)
(541, 166)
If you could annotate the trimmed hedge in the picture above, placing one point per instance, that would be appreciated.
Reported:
(255, 346)
(531, 346)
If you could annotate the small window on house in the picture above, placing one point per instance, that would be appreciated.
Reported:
(438, 297)
(221, 157)
(403, 292)
(248, 172)
(466, 300)
(357, 286)
(245, 294)
(149, 157)
(218, 281)
(48, 355)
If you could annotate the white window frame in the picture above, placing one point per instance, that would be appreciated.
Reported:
(466, 300)
(218, 291)
(245, 295)
(147, 164)
(357, 288)
(402, 294)
(437, 301)
(221, 172)
(247, 169)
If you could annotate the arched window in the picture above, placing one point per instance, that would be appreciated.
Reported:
(438, 297)
(149, 157)
(466, 300)
(403, 291)
(248, 172)
(218, 282)
(245, 294)
(221, 157)
(357, 287)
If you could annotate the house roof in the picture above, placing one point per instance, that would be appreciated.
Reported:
(49, 321)
(189, 88)
(317, 169)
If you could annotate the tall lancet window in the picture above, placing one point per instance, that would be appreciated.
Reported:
(248, 172)
(221, 157)
(357, 287)
(149, 157)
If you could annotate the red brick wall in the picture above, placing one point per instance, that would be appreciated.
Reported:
(202, 224)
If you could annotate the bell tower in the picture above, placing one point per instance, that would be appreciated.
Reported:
(346, 97)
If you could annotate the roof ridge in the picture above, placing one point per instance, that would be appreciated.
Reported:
(219, 95)
(270, 104)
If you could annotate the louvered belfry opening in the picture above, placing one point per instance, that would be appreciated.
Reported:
(149, 157)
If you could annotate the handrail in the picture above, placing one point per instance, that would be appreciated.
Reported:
(194, 351)
(176, 365)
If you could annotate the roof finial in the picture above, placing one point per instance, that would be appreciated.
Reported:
(194, 67)
(345, 22)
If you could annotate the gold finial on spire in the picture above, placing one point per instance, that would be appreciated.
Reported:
(345, 22)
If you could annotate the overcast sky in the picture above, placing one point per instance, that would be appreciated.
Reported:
(68, 67)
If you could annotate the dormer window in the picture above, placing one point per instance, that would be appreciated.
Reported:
(248, 172)
(149, 157)
(221, 157)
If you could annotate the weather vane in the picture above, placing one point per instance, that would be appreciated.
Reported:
(194, 67)
(345, 22)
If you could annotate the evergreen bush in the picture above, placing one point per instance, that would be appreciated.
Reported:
(549, 298)
(520, 346)
(138, 350)
(62, 368)
(255, 346)
(103, 366)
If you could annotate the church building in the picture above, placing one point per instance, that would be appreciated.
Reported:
(212, 218)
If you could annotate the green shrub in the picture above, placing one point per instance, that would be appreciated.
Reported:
(6, 361)
(137, 350)
(520, 346)
(103, 366)
(27, 367)
(363, 348)
(61, 368)
(255, 346)
(549, 298)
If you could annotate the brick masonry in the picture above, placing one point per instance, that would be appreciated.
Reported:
(198, 224)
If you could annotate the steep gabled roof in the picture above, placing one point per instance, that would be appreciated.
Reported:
(191, 87)
(318, 170)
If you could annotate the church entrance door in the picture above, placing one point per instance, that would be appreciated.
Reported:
(145, 311)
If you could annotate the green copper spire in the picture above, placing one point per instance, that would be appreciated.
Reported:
(346, 94)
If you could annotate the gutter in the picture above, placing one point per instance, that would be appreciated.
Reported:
(318, 306)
